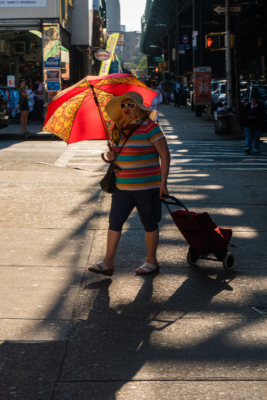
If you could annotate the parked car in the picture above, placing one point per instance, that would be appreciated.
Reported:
(261, 90)
(4, 118)
(219, 94)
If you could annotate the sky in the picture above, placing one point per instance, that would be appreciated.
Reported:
(131, 12)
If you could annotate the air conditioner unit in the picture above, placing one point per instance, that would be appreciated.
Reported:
(18, 47)
(5, 47)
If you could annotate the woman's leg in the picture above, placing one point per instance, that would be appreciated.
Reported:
(121, 207)
(26, 119)
(149, 208)
(152, 241)
(113, 239)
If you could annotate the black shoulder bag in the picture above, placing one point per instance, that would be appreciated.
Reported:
(108, 183)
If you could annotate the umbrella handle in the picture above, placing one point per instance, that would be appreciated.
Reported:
(104, 159)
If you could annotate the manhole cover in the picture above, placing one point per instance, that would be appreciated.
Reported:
(260, 309)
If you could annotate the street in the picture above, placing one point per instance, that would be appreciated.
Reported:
(186, 332)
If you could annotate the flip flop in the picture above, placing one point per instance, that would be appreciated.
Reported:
(101, 268)
(147, 268)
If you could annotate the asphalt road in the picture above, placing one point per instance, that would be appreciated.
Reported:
(187, 332)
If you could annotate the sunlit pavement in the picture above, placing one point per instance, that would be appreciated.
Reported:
(183, 333)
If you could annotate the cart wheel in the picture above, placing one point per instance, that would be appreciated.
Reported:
(192, 257)
(220, 255)
(228, 261)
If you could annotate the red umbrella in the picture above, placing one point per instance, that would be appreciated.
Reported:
(78, 113)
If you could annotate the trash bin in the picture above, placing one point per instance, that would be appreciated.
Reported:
(222, 122)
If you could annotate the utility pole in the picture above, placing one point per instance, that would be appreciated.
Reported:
(228, 54)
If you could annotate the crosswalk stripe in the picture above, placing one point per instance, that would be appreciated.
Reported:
(201, 155)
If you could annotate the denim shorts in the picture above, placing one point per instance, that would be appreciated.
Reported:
(148, 205)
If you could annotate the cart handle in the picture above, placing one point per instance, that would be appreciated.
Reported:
(174, 202)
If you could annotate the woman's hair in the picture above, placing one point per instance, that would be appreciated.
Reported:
(153, 83)
(19, 82)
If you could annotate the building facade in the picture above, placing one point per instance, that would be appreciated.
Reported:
(55, 39)
(177, 29)
(131, 47)
(113, 15)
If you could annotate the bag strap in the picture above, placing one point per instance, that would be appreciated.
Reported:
(125, 143)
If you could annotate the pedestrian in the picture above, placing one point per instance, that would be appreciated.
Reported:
(31, 98)
(141, 181)
(254, 113)
(38, 107)
(156, 101)
(24, 106)
(177, 90)
(166, 86)
(161, 98)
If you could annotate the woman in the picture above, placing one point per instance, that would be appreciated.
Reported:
(31, 97)
(140, 180)
(24, 106)
(156, 101)
(160, 87)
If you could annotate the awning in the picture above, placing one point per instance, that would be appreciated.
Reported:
(159, 13)
(20, 24)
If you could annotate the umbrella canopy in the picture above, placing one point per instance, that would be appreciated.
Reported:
(78, 113)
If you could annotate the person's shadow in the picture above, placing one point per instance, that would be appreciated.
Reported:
(113, 346)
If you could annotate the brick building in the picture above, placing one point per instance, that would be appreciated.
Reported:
(132, 46)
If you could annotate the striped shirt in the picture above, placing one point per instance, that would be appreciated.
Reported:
(139, 159)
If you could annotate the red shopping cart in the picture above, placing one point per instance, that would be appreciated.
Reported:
(202, 234)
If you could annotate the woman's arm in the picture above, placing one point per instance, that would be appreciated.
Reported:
(165, 159)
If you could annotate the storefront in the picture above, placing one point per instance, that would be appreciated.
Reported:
(21, 56)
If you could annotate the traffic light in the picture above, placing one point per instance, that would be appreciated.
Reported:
(213, 42)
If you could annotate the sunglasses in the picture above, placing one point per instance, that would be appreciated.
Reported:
(129, 105)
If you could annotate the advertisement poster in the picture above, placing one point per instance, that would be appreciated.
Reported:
(23, 3)
(112, 42)
(51, 46)
(202, 85)
(52, 60)
(11, 81)
(53, 75)
(53, 86)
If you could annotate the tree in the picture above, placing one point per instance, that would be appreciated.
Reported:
(138, 63)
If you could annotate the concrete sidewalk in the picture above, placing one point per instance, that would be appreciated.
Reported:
(183, 333)
(13, 131)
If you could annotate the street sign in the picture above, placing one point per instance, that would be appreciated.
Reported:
(150, 66)
(158, 59)
(220, 9)
(181, 49)
(185, 39)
